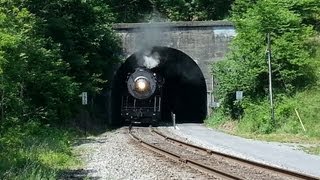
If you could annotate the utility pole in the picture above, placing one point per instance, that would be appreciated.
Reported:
(270, 79)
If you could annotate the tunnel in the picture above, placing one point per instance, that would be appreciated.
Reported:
(184, 88)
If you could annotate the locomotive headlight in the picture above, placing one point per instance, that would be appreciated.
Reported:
(141, 85)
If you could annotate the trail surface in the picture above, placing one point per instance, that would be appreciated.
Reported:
(288, 156)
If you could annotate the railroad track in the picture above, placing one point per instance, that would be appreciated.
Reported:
(204, 159)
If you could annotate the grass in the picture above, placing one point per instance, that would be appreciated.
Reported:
(232, 127)
(312, 150)
(256, 122)
(305, 142)
(32, 151)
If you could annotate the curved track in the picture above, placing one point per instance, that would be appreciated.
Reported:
(209, 161)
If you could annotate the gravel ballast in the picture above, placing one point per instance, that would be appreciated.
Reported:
(223, 164)
(114, 155)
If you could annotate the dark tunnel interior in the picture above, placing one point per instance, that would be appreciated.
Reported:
(184, 90)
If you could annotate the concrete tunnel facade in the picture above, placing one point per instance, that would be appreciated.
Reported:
(203, 42)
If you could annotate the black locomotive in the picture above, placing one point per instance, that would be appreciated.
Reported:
(141, 103)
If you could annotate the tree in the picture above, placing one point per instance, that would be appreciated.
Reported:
(34, 80)
(84, 35)
(215, 9)
(246, 69)
(188, 10)
(172, 10)
(129, 11)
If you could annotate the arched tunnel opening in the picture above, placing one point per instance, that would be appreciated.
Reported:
(184, 88)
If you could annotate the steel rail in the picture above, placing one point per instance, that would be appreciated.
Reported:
(276, 170)
(194, 164)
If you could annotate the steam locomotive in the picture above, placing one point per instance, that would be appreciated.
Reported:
(141, 103)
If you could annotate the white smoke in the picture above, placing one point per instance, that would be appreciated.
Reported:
(151, 61)
(151, 35)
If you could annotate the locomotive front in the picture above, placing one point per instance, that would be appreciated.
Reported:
(142, 101)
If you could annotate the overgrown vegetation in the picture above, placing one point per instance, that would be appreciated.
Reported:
(170, 10)
(188, 10)
(50, 51)
(256, 122)
(295, 69)
(33, 151)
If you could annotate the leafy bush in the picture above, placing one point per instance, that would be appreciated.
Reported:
(216, 119)
(34, 80)
(174, 10)
(33, 151)
(256, 118)
(84, 36)
(47, 54)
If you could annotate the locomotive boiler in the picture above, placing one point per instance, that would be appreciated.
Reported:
(141, 103)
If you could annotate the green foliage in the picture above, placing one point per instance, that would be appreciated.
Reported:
(32, 151)
(308, 108)
(256, 120)
(179, 9)
(256, 117)
(86, 41)
(49, 52)
(187, 10)
(174, 10)
(307, 9)
(130, 11)
(34, 79)
(214, 9)
(312, 150)
(246, 68)
(217, 119)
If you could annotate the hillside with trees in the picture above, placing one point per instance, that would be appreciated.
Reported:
(50, 51)
(294, 32)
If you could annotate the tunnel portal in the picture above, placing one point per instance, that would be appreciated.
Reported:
(184, 89)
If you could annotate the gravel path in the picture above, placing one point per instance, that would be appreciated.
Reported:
(114, 155)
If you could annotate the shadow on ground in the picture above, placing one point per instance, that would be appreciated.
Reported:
(76, 174)
(80, 173)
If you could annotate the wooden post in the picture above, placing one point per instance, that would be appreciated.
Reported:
(173, 120)
(300, 119)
